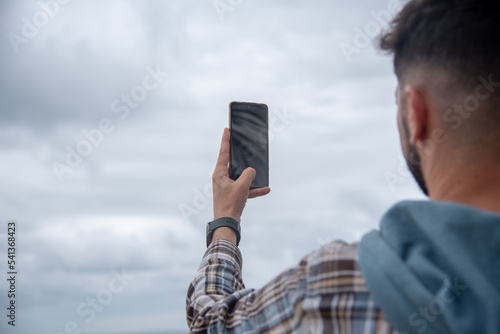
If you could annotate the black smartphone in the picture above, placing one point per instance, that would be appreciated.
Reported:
(249, 143)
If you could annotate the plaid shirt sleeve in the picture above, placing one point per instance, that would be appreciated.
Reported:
(324, 293)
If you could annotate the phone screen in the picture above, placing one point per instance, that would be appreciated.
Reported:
(249, 143)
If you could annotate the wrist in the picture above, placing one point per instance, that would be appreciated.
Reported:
(227, 214)
(225, 233)
(226, 228)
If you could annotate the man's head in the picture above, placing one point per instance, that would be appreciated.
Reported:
(447, 60)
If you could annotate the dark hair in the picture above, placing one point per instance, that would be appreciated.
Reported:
(460, 37)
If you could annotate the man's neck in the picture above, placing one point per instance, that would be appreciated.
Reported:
(476, 185)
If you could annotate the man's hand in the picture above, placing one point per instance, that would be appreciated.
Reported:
(231, 196)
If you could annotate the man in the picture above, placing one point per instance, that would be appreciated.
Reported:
(434, 266)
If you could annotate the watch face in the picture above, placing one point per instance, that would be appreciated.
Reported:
(209, 239)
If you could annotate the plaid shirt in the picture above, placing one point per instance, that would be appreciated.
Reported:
(324, 293)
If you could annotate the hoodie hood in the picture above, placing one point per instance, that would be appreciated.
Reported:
(434, 267)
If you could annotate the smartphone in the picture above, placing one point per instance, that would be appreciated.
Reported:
(249, 141)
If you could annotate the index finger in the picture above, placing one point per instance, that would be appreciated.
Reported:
(223, 159)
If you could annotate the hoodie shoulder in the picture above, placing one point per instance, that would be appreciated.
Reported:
(424, 251)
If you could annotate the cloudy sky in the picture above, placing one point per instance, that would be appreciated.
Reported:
(111, 114)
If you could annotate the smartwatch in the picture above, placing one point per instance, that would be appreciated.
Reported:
(223, 222)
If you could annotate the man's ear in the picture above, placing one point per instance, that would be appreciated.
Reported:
(417, 113)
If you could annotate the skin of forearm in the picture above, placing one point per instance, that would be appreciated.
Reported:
(224, 233)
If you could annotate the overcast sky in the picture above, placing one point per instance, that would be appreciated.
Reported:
(111, 118)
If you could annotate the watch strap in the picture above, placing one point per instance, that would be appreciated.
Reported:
(223, 222)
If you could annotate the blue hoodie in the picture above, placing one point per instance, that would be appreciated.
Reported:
(434, 267)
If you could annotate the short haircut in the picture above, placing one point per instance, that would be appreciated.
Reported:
(456, 37)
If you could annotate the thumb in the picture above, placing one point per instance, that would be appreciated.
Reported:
(248, 176)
